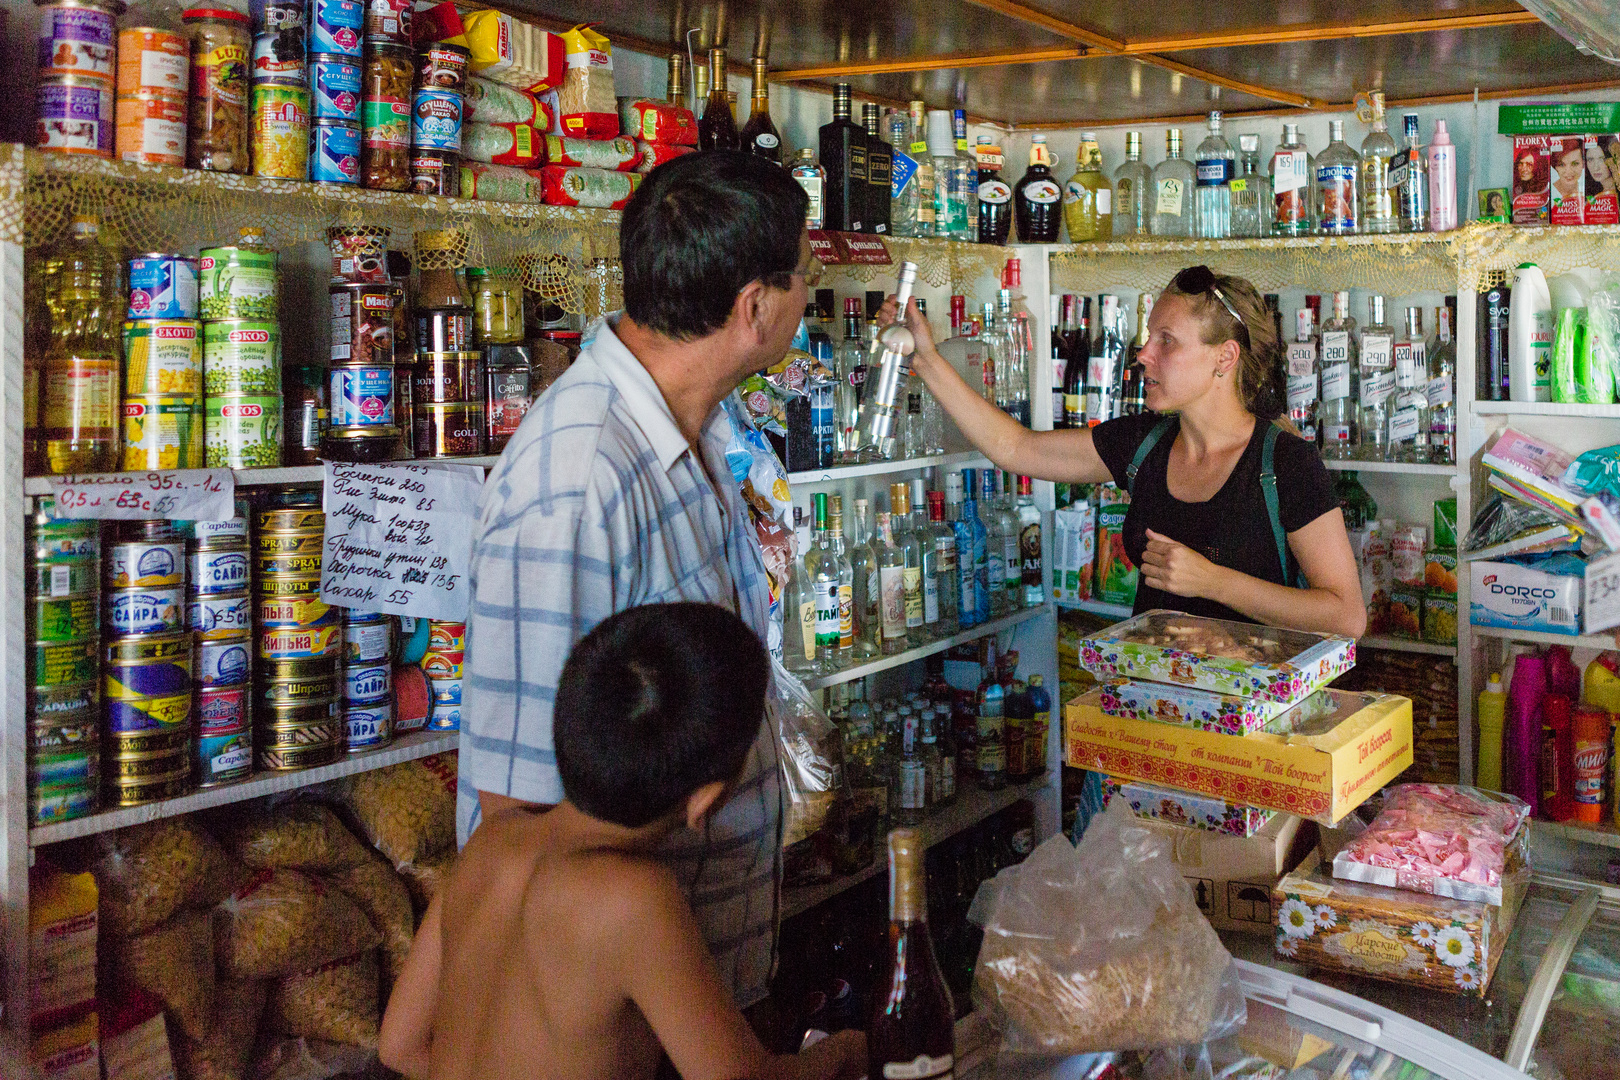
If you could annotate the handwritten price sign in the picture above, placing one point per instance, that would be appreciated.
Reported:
(1602, 593)
(399, 538)
(180, 495)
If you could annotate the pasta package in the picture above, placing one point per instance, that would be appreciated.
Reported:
(518, 145)
(655, 154)
(562, 185)
(498, 183)
(615, 155)
(511, 51)
(586, 105)
(658, 122)
(486, 101)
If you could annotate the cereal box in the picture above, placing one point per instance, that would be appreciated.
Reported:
(1175, 807)
(1171, 704)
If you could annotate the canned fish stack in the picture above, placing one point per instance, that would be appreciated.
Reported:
(388, 80)
(239, 298)
(220, 614)
(163, 365)
(73, 95)
(64, 645)
(154, 67)
(361, 420)
(367, 677)
(280, 101)
(436, 116)
(447, 393)
(335, 70)
(447, 643)
(297, 723)
(148, 675)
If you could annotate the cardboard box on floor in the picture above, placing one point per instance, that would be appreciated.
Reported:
(1232, 876)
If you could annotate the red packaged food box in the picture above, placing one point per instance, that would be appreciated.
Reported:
(564, 185)
(1602, 154)
(655, 154)
(1566, 194)
(1531, 179)
(615, 155)
(658, 122)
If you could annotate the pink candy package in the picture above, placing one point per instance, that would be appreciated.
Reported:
(1440, 839)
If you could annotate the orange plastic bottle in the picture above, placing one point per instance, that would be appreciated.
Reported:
(1591, 729)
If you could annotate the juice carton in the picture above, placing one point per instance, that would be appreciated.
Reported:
(1116, 574)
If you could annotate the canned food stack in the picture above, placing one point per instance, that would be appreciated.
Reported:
(239, 299)
(389, 79)
(163, 365)
(367, 677)
(73, 94)
(220, 614)
(280, 88)
(297, 723)
(336, 80)
(154, 69)
(361, 422)
(447, 643)
(497, 297)
(217, 122)
(447, 391)
(436, 119)
(147, 682)
(64, 646)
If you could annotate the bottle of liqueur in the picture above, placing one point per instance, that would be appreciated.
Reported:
(843, 156)
(1037, 198)
(717, 130)
(912, 1033)
(759, 135)
(879, 172)
(1379, 194)
(1088, 198)
(969, 173)
(995, 197)
(1293, 186)
(1133, 187)
(1173, 182)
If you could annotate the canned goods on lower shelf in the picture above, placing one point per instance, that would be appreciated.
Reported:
(368, 725)
(46, 704)
(151, 789)
(318, 733)
(49, 805)
(215, 570)
(146, 610)
(130, 767)
(69, 618)
(226, 615)
(224, 661)
(367, 682)
(296, 713)
(221, 710)
(128, 680)
(223, 759)
(298, 643)
(147, 741)
(300, 757)
(65, 577)
(81, 730)
(55, 664)
(171, 713)
(289, 575)
(145, 564)
(280, 612)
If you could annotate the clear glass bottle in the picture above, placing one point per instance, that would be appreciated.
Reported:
(1173, 181)
(1442, 391)
(861, 721)
(991, 729)
(947, 569)
(888, 364)
(1088, 198)
(1293, 186)
(928, 728)
(867, 599)
(911, 773)
(917, 502)
(846, 580)
(1031, 566)
(950, 179)
(979, 538)
(1304, 388)
(851, 378)
(1103, 367)
(1379, 206)
(917, 150)
(903, 208)
(1251, 193)
(1012, 561)
(1410, 179)
(1377, 363)
(1017, 359)
(813, 178)
(821, 565)
(962, 531)
(995, 345)
(995, 545)
(1340, 382)
(799, 620)
(900, 526)
(968, 170)
(892, 578)
(1409, 418)
(1216, 165)
(1133, 191)
(1338, 185)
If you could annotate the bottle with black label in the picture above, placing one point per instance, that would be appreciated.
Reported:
(1037, 198)
(995, 197)
(879, 172)
(843, 156)
(759, 135)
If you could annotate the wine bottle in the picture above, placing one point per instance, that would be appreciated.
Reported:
(759, 136)
(912, 1035)
(717, 130)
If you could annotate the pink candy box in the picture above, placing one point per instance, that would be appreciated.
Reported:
(1440, 839)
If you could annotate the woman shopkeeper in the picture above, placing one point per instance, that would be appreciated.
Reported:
(1231, 516)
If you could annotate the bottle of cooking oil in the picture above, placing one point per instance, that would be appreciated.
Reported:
(79, 388)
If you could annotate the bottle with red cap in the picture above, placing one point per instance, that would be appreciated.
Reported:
(1591, 762)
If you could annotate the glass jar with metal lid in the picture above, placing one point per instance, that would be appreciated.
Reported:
(497, 296)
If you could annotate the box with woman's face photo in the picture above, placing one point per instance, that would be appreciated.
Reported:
(1493, 205)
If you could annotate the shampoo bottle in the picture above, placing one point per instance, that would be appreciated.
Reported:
(1530, 333)
(1521, 733)
(1492, 712)
(1442, 157)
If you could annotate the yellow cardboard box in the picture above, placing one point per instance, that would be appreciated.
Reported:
(1322, 771)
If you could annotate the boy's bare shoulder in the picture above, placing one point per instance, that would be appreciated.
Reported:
(612, 889)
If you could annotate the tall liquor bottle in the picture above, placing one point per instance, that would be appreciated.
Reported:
(843, 156)
(892, 583)
(947, 570)
(1103, 368)
(1076, 358)
(799, 620)
(867, 586)
(1409, 420)
(1293, 186)
(1088, 198)
(1133, 191)
(1442, 391)
(1379, 195)
(995, 544)
(1037, 198)
(904, 201)
(717, 130)
(926, 179)
(962, 530)
(970, 176)
(994, 341)
(879, 172)
(846, 579)
(1410, 179)
(1377, 347)
(1173, 182)
(1214, 179)
(759, 136)
(1029, 545)
(995, 197)
(1013, 327)
(979, 537)
(821, 565)
(1340, 384)
(1007, 522)
(851, 375)
(912, 1032)
(900, 527)
(880, 418)
(1303, 386)
(1338, 185)
(1251, 193)
(991, 728)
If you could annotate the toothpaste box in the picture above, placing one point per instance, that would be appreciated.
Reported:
(1540, 595)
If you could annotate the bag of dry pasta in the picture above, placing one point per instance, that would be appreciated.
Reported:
(285, 921)
(586, 105)
(1100, 947)
(223, 1051)
(336, 1001)
(146, 873)
(810, 755)
(424, 879)
(408, 811)
(174, 963)
(379, 892)
(299, 834)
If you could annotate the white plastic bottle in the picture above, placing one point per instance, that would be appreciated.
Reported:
(1530, 332)
(1442, 156)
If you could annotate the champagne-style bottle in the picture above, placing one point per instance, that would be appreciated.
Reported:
(912, 1033)
(717, 130)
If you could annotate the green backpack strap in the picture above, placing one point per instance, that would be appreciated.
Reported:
(1268, 485)
(1146, 448)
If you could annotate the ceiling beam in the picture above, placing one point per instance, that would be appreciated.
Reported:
(926, 63)
(1274, 35)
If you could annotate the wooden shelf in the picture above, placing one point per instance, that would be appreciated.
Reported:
(972, 806)
(1544, 408)
(1190, 245)
(1409, 468)
(985, 629)
(1374, 641)
(1542, 637)
(405, 748)
(290, 474)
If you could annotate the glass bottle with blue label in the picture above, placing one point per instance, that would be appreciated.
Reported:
(903, 187)
(969, 165)
(962, 530)
(1338, 185)
(1215, 165)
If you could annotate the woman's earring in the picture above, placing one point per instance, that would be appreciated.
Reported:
(1219, 374)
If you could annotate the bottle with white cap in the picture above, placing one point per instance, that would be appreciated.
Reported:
(1530, 334)
(1442, 180)
(950, 177)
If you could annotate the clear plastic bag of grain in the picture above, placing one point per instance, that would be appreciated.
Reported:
(381, 894)
(424, 879)
(1100, 947)
(337, 1001)
(408, 811)
(146, 873)
(226, 1047)
(174, 962)
(285, 921)
(298, 834)
(809, 750)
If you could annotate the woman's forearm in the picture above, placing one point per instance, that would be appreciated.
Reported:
(998, 436)
(1316, 610)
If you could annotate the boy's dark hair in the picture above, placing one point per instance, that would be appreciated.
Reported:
(654, 703)
(698, 230)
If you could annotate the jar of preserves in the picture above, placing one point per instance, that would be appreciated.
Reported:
(217, 122)
(497, 297)
(385, 155)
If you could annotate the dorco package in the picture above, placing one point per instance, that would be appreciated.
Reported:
(486, 101)
(518, 145)
(1175, 807)
(498, 183)
(652, 155)
(1074, 551)
(1543, 594)
(1232, 876)
(561, 185)
(586, 105)
(658, 122)
(615, 155)
(511, 51)
(1321, 767)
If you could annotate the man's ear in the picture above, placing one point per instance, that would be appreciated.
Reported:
(703, 802)
(752, 309)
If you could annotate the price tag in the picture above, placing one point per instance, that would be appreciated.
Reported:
(180, 495)
(1377, 351)
(1301, 358)
(1405, 369)
(1288, 171)
(1335, 346)
(1602, 593)
(399, 538)
(1335, 382)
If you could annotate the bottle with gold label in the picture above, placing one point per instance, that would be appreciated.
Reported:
(1088, 197)
(79, 373)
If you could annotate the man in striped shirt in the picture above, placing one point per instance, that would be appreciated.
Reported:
(615, 492)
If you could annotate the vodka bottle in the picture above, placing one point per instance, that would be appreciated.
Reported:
(1031, 567)
(1293, 186)
(917, 150)
(1304, 388)
(947, 569)
(861, 721)
(1377, 348)
(1133, 191)
(968, 171)
(1340, 384)
(994, 194)
(1173, 182)
(1442, 391)
(892, 578)
(851, 377)
(1214, 176)
(1088, 198)
(1410, 178)
(1103, 370)
(995, 525)
(846, 580)
(906, 540)
(1251, 193)
(924, 532)
(1379, 205)
(1012, 581)
(813, 178)
(1338, 184)
(905, 197)
(1409, 419)
(880, 414)
(1012, 329)
(962, 530)
(868, 587)
(950, 180)
(823, 388)
(995, 345)
(979, 537)
(821, 565)
(799, 616)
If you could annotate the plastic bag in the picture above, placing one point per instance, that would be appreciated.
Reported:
(424, 879)
(299, 834)
(379, 892)
(148, 872)
(586, 105)
(223, 1051)
(1603, 342)
(407, 811)
(808, 746)
(1506, 527)
(1100, 947)
(336, 1001)
(283, 922)
(763, 480)
(175, 964)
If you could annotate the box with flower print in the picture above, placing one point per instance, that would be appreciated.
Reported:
(1167, 703)
(1185, 808)
(1393, 934)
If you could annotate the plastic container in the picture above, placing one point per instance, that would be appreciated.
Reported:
(1563, 677)
(1521, 735)
(1591, 763)
(1557, 758)
(1492, 713)
(1601, 685)
(1442, 157)
(1530, 333)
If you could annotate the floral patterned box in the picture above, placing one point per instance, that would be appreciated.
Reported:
(1170, 704)
(1393, 934)
(1185, 808)
(1233, 658)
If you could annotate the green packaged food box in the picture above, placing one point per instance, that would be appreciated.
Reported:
(1116, 574)
(1445, 524)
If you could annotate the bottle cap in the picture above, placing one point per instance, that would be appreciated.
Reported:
(1249, 144)
(1442, 137)
(1290, 133)
(1215, 120)
(941, 143)
(1410, 123)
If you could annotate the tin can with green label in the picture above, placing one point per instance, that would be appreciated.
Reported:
(241, 356)
(243, 432)
(55, 664)
(239, 281)
(68, 618)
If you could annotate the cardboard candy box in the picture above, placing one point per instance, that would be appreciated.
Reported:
(1174, 807)
(1232, 876)
(1171, 704)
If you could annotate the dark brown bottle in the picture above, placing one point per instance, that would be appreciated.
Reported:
(1037, 198)
(718, 128)
(759, 135)
(913, 1029)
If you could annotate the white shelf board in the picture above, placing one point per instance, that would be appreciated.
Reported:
(1374, 641)
(405, 748)
(1544, 408)
(1604, 835)
(985, 629)
(1409, 468)
(970, 459)
(289, 474)
(1096, 607)
(972, 806)
(1542, 637)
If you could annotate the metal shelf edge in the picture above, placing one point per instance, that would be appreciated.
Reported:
(860, 671)
(1374, 641)
(285, 474)
(1542, 637)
